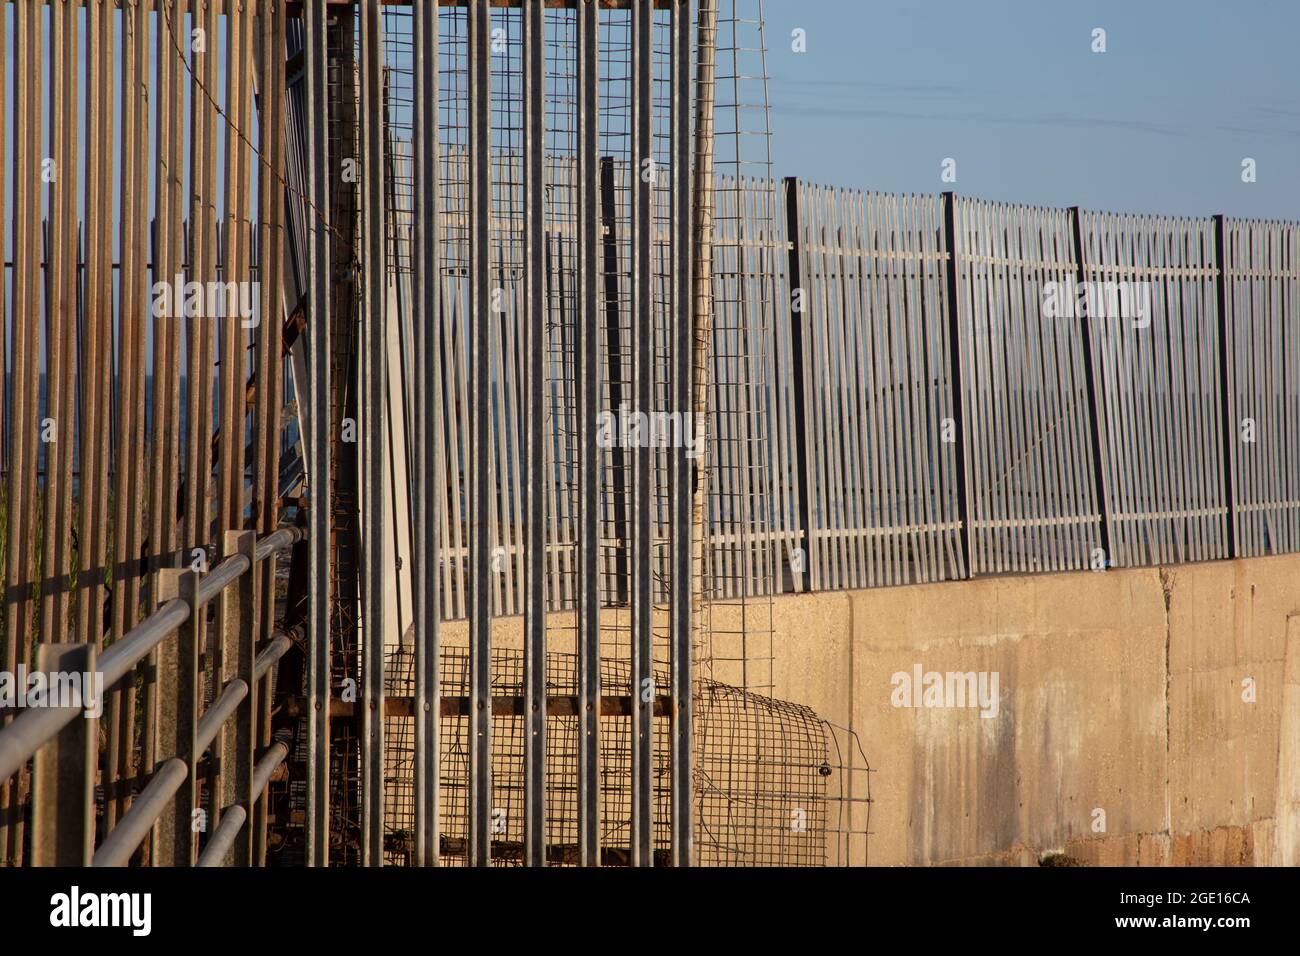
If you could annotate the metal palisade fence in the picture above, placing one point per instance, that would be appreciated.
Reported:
(907, 414)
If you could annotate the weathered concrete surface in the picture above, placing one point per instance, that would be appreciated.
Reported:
(1119, 693)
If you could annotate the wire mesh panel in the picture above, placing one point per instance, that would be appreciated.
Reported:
(745, 549)
(508, 766)
(1156, 343)
(761, 790)
(1262, 298)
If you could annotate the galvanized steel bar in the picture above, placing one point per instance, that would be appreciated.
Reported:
(374, 388)
(122, 842)
(279, 540)
(643, 181)
(480, 431)
(682, 484)
(587, 371)
(534, 84)
(34, 727)
(272, 652)
(223, 837)
(266, 765)
(427, 480)
(218, 712)
(318, 436)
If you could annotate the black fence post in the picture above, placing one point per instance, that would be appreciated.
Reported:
(614, 348)
(1092, 375)
(955, 377)
(798, 305)
(1225, 379)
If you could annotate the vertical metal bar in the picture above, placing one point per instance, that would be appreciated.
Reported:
(618, 455)
(534, 81)
(1092, 374)
(271, 68)
(1230, 432)
(234, 784)
(230, 432)
(956, 381)
(98, 327)
(178, 718)
(480, 433)
(63, 771)
(798, 306)
(17, 423)
(683, 481)
(588, 374)
(166, 222)
(318, 438)
(198, 332)
(230, 497)
(165, 395)
(61, 310)
(643, 180)
(130, 449)
(428, 478)
(374, 383)
(5, 427)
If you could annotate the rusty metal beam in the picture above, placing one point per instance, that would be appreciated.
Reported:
(502, 705)
(270, 334)
(97, 325)
(61, 322)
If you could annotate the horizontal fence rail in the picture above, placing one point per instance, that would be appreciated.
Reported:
(57, 737)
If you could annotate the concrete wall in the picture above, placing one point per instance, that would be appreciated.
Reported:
(1120, 692)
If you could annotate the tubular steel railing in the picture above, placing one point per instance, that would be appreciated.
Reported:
(62, 741)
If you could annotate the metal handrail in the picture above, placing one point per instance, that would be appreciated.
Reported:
(35, 727)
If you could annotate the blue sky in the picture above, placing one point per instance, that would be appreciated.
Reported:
(1012, 91)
